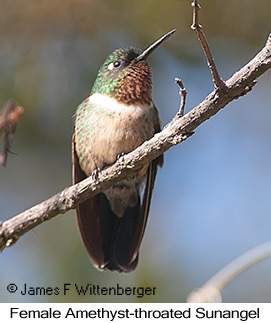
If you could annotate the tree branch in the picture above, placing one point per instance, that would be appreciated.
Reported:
(173, 133)
(210, 292)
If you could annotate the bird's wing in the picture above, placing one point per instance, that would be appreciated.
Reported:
(88, 217)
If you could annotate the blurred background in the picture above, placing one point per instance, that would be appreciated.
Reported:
(211, 200)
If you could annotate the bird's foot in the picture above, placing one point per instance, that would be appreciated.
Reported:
(95, 174)
(120, 157)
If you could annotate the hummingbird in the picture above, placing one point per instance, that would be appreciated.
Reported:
(117, 117)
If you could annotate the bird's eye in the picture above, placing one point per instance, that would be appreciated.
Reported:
(115, 64)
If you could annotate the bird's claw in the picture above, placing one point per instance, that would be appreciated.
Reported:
(120, 155)
(95, 174)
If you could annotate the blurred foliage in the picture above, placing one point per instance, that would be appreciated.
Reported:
(211, 200)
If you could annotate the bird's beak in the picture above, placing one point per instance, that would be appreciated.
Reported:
(152, 47)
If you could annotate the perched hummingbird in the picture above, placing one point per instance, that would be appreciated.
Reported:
(118, 116)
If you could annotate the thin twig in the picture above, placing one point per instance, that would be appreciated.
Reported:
(211, 290)
(217, 80)
(182, 95)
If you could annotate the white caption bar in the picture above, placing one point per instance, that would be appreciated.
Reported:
(146, 312)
